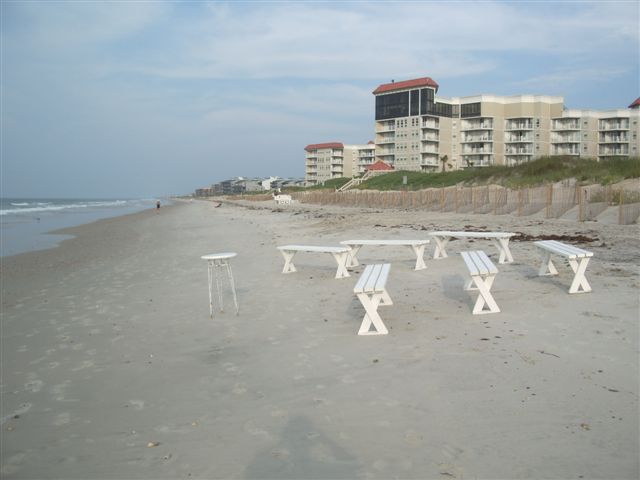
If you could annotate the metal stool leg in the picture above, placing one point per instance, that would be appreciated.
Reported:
(218, 265)
(210, 278)
(233, 287)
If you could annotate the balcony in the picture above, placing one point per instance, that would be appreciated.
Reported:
(477, 160)
(430, 149)
(569, 124)
(477, 124)
(520, 124)
(607, 150)
(474, 150)
(466, 138)
(431, 123)
(385, 139)
(565, 137)
(613, 125)
(518, 151)
(430, 138)
(565, 150)
(604, 138)
(386, 127)
(518, 138)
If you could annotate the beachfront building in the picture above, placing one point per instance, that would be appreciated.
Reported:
(597, 134)
(417, 130)
(325, 161)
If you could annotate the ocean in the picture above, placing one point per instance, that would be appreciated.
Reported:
(25, 223)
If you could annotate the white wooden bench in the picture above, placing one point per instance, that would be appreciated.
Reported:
(416, 245)
(339, 253)
(499, 239)
(483, 273)
(577, 257)
(371, 291)
(282, 199)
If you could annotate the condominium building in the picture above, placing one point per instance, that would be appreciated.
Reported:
(325, 161)
(416, 130)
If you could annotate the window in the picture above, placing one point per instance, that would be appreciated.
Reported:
(470, 110)
(392, 105)
(414, 102)
(537, 123)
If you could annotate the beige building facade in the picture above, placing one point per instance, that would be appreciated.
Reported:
(416, 130)
(325, 161)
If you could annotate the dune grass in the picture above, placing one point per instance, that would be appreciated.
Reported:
(540, 171)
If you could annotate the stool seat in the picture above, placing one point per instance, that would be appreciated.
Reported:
(215, 262)
(219, 256)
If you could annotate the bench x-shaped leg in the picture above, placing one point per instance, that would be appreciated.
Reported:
(289, 267)
(503, 248)
(341, 260)
(370, 302)
(419, 251)
(547, 267)
(483, 285)
(579, 284)
(441, 243)
(352, 261)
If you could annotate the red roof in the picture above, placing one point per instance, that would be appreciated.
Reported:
(371, 142)
(418, 82)
(635, 104)
(318, 146)
(379, 165)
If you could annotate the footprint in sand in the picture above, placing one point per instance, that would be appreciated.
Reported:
(62, 419)
(34, 385)
(12, 464)
(136, 404)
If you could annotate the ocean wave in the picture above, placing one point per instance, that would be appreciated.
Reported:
(36, 207)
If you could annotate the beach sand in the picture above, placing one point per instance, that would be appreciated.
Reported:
(112, 368)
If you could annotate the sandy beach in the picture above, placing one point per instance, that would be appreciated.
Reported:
(112, 368)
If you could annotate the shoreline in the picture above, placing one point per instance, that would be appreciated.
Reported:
(29, 231)
(112, 367)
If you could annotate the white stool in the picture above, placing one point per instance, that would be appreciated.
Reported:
(217, 261)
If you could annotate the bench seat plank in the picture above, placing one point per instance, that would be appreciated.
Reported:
(371, 291)
(482, 272)
(499, 239)
(340, 254)
(578, 259)
(417, 246)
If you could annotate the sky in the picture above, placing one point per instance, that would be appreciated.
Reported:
(141, 99)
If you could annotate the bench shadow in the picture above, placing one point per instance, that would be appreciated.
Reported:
(303, 452)
(453, 287)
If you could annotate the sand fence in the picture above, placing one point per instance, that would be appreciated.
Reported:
(611, 203)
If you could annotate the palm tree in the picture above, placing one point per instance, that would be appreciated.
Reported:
(444, 160)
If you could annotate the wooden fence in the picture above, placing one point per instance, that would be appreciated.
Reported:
(548, 201)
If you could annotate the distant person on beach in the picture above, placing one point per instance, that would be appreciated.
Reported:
(158, 206)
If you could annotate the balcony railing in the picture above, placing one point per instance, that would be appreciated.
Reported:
(518, 138)
(430, 124)
(560, 125)
(429, 150)
(604, 125)
(559, 150)
(519, 125)
(476, 138)
(478, 160)
(430, 138)
(518, 151)
(607, 150)
(477, 125)
(613, 138)
(566, 138)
